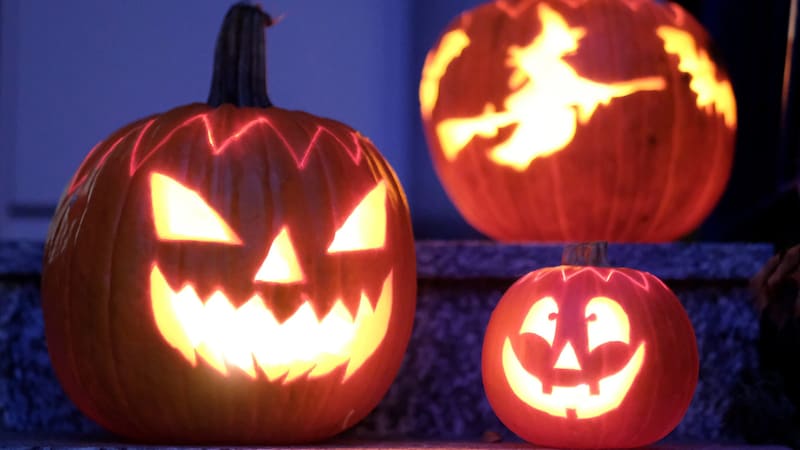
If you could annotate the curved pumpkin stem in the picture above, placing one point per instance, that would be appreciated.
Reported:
(240, 59)
(586, 254)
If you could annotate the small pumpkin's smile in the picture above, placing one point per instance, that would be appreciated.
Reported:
(250, 336)
(580, 401)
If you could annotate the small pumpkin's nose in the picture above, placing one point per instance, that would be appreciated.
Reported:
(568, 359)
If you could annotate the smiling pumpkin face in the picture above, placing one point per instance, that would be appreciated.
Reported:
(238, 266)
(577, 356)
(569, 385)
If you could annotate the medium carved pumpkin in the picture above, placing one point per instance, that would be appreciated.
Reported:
(589, 357)
(230, 272)
(575, 120)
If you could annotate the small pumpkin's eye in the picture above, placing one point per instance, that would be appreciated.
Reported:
(365, 227)
(606, 321)
(541, 319)
(181, 214)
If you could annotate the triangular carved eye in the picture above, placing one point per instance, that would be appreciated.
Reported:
(281, 264)
(365, 227)
(181, 214)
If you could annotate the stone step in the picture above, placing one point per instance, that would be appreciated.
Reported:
(20, 441)
(438, 394)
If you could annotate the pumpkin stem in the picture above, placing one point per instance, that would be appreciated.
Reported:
(586, 254)
(240, 59)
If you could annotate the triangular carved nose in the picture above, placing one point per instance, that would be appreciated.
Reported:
(568, 359)
(281, 264)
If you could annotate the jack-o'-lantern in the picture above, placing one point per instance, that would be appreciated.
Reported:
(576, 120)
(230, 272)
(589, 356)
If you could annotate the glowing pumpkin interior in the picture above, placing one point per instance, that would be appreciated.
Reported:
(548, 98)
(249, 337)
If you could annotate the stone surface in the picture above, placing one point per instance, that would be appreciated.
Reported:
(672, 261)
(438, 394)
(30, 397)
(32, 442)
(20, 258)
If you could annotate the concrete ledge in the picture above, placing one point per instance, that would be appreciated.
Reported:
(22, 441)
(438, 393)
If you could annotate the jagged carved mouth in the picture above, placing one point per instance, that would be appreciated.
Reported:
(571, 401)
(250, 338)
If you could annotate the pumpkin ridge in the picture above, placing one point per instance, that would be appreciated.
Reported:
(82, 174)
(117, 382)
(558, 200)
(664, 200)
(717, 170)
(618, 272)
(517, 8)
(266, 121)
(134, 163)
(72, 367)
(96, 413)
(337, 211)
(667, 198)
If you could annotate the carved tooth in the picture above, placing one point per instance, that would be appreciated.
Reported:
(167, 318)
(371, 326)
(264, 332)
(210, 355)
(335, 335)
(217, 324)
(251, 336)
(236, 341)
(190, 310)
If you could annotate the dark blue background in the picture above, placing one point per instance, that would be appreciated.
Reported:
(73, 72)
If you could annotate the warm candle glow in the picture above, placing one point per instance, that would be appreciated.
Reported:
(365, 227)
(181, 214)
(549, 99)
(250, 337)
(714, 96)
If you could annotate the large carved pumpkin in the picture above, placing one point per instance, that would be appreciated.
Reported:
(587, 356)
(579, 120)
(230, 272)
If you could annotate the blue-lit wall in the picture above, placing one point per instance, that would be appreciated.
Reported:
(72, 72)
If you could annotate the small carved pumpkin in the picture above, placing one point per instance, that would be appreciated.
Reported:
(231, 272)
(588, 356)
(575, 120)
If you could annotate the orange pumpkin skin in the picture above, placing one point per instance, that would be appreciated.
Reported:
(660, 358)
(590, 127)
(261, 170)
